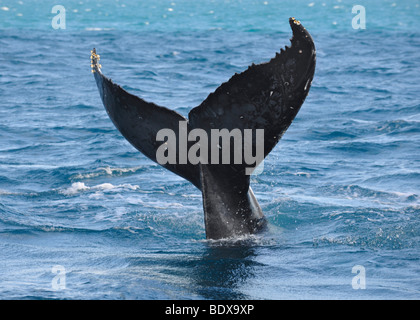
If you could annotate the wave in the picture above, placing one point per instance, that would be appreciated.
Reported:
(399, 126)
(98, 29)
(332, 224)
(397, 235)
(359, 192)
(108, 171)
(78, 187)
(243, 241)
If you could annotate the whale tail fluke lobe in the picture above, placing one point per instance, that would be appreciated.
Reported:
(139, 121)
(265, 97)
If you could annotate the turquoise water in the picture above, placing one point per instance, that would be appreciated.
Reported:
(341, 189)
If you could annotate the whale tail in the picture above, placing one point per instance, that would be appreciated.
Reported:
(264, 98)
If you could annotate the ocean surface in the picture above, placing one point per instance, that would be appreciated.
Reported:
(83, 215)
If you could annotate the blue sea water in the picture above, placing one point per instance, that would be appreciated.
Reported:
(340, 190)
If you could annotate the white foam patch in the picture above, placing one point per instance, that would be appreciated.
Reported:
(77, 187)
(6, 193)
(249, 240)
(106, 171)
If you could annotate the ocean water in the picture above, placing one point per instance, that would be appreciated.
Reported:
(83, 215)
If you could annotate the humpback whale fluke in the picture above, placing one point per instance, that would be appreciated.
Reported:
(266, 96)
